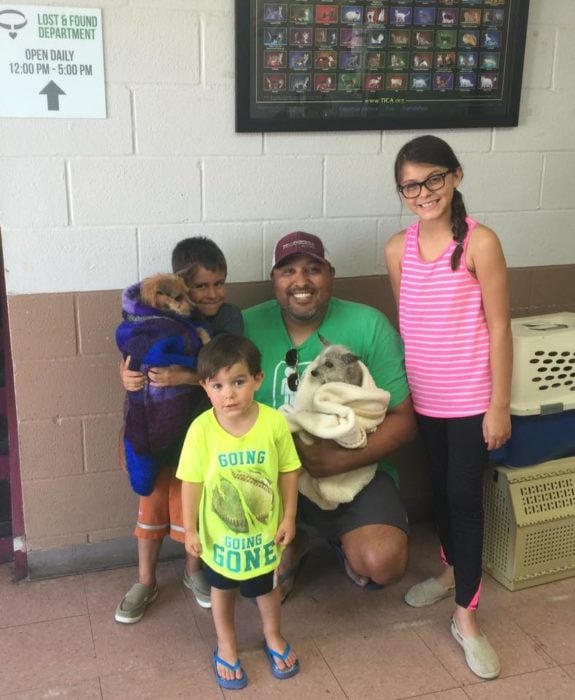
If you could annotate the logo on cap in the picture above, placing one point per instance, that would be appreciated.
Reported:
(299, 243)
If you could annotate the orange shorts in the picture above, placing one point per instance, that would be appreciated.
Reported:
(160, 513)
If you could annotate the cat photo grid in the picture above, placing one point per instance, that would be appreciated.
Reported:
(423, 49)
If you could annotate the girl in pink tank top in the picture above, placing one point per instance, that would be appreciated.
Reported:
(449, 280)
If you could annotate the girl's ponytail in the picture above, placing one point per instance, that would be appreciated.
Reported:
(458, 226)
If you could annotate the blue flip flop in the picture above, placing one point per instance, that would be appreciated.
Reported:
(337, 548)
(281, 673)
(235, 683)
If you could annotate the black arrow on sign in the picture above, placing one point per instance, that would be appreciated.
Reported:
(53, 92)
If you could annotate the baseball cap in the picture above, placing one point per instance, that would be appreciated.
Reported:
(299, 243)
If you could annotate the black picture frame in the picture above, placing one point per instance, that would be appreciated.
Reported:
(378, 64)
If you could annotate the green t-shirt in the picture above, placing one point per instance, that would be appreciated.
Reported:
(362, 328)
(241, 505)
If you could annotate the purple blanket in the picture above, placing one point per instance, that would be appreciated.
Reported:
(156, 419)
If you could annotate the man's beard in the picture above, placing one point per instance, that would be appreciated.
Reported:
(311, 315)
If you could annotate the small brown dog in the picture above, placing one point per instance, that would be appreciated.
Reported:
(169, 292)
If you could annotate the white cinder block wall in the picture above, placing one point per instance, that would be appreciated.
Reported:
(94, 204)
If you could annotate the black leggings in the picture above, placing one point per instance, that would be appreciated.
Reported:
(457, 456)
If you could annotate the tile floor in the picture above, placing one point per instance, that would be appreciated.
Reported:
(58, 638)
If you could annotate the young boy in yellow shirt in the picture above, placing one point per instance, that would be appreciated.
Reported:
(239, 469)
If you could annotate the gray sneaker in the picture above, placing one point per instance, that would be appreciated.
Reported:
(135, 602)
(198, 584)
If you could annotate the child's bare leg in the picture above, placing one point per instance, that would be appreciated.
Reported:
(193, 564)
(223, 608)
(291, 558)
(270, 610)
(148, 553)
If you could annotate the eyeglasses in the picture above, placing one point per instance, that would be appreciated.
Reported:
(432, 183)
(291, 362)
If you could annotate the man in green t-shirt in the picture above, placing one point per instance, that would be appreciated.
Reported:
(369, 533)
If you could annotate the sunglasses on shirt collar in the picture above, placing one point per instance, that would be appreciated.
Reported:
(291, 362)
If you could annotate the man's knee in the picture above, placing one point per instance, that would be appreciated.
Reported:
(382, 557)
(389, 566)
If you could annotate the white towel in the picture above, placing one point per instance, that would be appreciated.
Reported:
(341, 412)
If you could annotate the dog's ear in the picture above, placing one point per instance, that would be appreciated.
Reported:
(178, 284)
(170, 287)
(148, 291)
(349, 358)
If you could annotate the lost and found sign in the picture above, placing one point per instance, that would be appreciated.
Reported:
(51, 62)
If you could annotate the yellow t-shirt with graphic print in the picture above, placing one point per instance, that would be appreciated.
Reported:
(241, 506)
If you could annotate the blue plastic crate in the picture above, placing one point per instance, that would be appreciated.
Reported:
(537, 439)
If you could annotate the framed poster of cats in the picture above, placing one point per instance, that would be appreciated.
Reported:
(378, 64)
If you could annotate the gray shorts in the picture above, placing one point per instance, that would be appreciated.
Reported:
(379, 503)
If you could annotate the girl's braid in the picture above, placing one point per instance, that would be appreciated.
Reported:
(458, 226)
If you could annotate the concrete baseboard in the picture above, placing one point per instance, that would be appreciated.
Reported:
(113, 554)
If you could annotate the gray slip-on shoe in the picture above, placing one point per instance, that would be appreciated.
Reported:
(480, 656)
(134, 603)
(427, 593)
(198, 584)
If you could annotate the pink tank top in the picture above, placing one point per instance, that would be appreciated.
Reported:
(445, 333)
